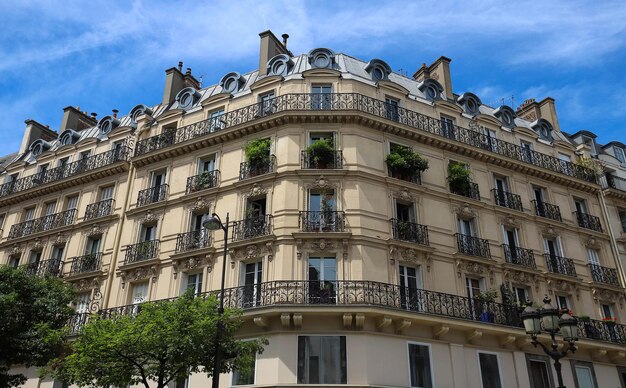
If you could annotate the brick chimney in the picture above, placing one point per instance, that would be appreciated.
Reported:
(270, 47)
(439, 71)
(174, 83)
(74, 119)
(35, 131)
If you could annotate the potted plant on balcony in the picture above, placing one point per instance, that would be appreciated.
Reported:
(403, 162)
(144, 250)
(609, 321)
(205, 180)
(583, 318)
(257, 155)
(459, 178)
(486, 298)
(321, 153)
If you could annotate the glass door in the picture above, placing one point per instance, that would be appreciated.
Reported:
(410, 288)
(253, 273)
(322, 280)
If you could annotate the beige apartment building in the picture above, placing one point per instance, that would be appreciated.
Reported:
(358, 273)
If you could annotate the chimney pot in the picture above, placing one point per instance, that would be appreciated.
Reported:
(188, 71)
(180, 66)
(78, 108)
(115, 111)
(94, 115)
(285, 37)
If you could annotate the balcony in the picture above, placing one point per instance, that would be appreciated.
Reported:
(560, 265)
(604, 275)
(249, 170)
(322, 162)
(519, 256)
(152, 195)
(469, 190)
(203, 181)
(473, 246)
(615, 182)
(69, 170)
(142, 251)
(409, 231)
(547, 210)
(351, 102)
(252, 227)
(42, 224)
(193, 240)
(44, 268)
(588, 221)
(414, 177)
(508, 200)
(99, 209)
(322, 221)
(87, 263)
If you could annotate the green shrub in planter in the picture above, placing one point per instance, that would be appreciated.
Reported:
(258, 152)
(321, 153)
(404, 161)
(459, 178)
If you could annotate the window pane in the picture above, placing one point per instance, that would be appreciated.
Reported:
(539, 377)
(489, 370)
(322, 360)
(419, 366)
(584, 377)
(246, 375)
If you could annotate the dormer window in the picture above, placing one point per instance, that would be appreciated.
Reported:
(506, 116)
(107, 124)
(432, 89)
(232, 82)
(378, 70)
(543, 129)
(138, 111)
(187, 98)
(321, 58)
(39, 146)
(279, 65)
(470, 103)
(69, 137)
(619, 154)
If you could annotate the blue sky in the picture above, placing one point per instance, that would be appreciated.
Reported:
(104, 55)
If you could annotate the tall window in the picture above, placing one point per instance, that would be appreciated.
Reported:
(447, 127)
(106, 192)
(246, 375)
(71, 202)
(50, 208)
(391, 108)
(321, 98)
(322, 360)
(57, 253)
(622, 219)
(562, 301)
(322, 279)
(14, 260)
(607, 310)
(473, 287)
(539, 371)
(410, 279)
(581, 205)
(216, 120)
(28, 214)
(193, 281)
(527, 151)
(521, 295)
(489, 370)
(139, 292)
(420, 372)
(584, 375)
(466, 227)
(252, 277)
(322, 207)
(593, 257)
(93, 245)
(267, 104)
(619, 154)
(82, 302)
(206, 164)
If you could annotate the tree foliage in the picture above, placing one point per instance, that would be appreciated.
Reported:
(158, 342)
(34, 314)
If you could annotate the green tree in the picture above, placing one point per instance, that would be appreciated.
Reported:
(34, 314)
(158, 342)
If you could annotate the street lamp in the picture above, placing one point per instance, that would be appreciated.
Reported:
(547, 320)
(214, 223)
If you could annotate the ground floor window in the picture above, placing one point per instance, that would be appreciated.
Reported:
(539, 371)
(489, 370)
(584, 375)
(419, 366)
(322, 360)
(245, 375)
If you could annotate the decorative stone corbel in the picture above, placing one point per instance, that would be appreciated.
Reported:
(201, 205)
(345, 249)
(347, 320)
(37, 244)
(592, 243)
(269, 246)
(549, 232)
(383, 322)
(60, 239)
(260, 322)
(440, 330)
(256, 191)
(359, 321)
(402, 324)
(507, 340)
(465, 212)
(299, 244)
(285, 320)
(95, 230)
(149, 217)
(429, 261)
(16, 249)
(322, 245)
(510, 222)
(297, 321)
(392, 255)
(474, 335)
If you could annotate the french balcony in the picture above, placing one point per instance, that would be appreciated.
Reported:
(560, 265)
(473, 246)
(252, 227)
(203, 181)
(409, 231)
(322, 221)
(152, 195)
(413, 177)
(508, 200)
(616, 182)
(45, 268)
(99, 209)
(588, 221)
(469, 190)
(547, 210)
(89, 262)
(250, 170)
(42, 224)
(332, 161)
(519, 256)
(193, 240)
(142, 251)
(605, 275)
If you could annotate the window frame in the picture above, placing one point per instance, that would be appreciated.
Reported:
(430, 362)
(345, 360)
(589, 365)
(254, 375)
(621, 159)
(539, 358)
(480, 371)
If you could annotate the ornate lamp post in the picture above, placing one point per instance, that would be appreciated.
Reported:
(547, 320)
(214, 223)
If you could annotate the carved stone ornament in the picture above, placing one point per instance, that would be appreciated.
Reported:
(322, 245)
(60, 239)
(140, 273)
(255, 191)
(549, 232)
(37, 245)
(404, 194)
(521, 277)
(200, 206)
(603, 295)
(299, 245)
(465, 212)
(408, 255)
(188, 264)
(345, 247)
(510, 222)
(472, 267)
(16, 250)
(149, 217)
(252, 252)
(86, 284)
(95, 230)
(592, 243)
(559, 285)
(321, 183)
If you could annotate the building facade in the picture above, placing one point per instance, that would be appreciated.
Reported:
(356, 270)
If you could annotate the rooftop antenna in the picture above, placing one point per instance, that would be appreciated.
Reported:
(402, 72)
(200, 80)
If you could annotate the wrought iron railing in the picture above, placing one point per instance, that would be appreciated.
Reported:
(89, 262)
(62, 172)
(99, 209)
(616, 182)
(42, 224)
(144, 250)
(558, 264)
(409, 231)
(152, 195)
(372, 106)
(519, 256)
(203, 181)
(547, 210)
(249, 169)
(43, 268)
(473, 246)
(193, 240)
(252, 227)
(322, 221)
(604, 275)
(332, 161)
(469, 190)
(506, 199)
(588, 221)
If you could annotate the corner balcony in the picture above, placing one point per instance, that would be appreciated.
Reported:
(547, 210)
(44, 268)
(322, 221)
(560, 265)
(152, 195)
(87, 263)
(616, 182)
(250, 170)
(409, 231)
(470, 190)
(473, 246)
(99, 209)
(193, 240)
(508, 200)
(588, 221)
(252, 227)
(142, 251)
(604, 275)
(203, 181)
(42, 224)
(519, 256)
(333, 161)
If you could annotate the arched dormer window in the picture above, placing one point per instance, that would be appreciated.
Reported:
(138, 111)
(187, 98)
(470, 103)
(543, 129)
(69, 136)
(506, 115)
(378, 70)
(432, 89)
(232, 82)
(281, 64)
(39, 146)
(107, 124)
(321, 58)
